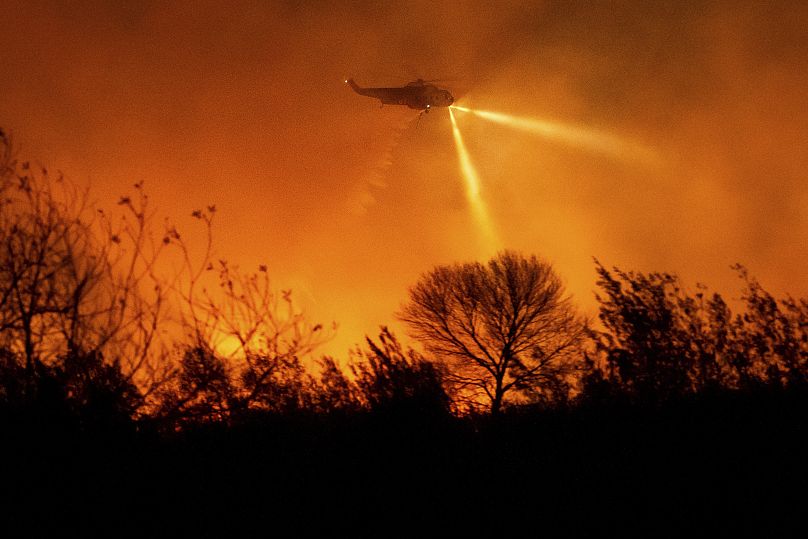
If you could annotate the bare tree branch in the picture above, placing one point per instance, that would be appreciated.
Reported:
(503, 328)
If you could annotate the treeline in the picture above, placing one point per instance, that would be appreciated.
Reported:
(113, 380)
(660, 342)
(654, 343)
(88, 323)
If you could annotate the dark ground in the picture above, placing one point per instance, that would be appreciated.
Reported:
(721, 464)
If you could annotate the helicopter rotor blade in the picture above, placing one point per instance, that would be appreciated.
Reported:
(441, 80)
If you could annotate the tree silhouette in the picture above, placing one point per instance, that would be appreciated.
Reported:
(660, 342)
(647, 338)
(269, 335)
(200, 391)
(503, 329)
(775, 336)
(74, 281)
(332, 391)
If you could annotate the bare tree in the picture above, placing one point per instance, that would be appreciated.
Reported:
(505, 330)
(238, 321)
(75, 280)
(80, 288)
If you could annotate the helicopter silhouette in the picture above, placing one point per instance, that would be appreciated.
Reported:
(418, 94)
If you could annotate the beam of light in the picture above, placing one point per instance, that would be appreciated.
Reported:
(588, 139)
(469, 173)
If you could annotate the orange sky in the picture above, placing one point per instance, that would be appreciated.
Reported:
(243, 105)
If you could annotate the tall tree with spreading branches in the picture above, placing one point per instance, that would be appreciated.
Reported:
(505, 330)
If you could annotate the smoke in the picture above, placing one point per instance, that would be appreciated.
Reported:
(714, 88)
(244, 106)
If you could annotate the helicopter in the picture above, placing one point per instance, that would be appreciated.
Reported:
(418, 94)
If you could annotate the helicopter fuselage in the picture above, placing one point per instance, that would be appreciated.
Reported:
(416, 95)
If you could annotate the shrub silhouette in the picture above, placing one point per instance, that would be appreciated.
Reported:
(390, 379)
(200, 391)
(659, 342)
(82, 390)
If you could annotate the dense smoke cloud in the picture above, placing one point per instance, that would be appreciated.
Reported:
(243, 105)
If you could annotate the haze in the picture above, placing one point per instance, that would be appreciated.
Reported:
(243, 106)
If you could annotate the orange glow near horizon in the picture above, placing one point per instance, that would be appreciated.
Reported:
(605, 130)
(473, 192)
(227, 345)
(588, 139)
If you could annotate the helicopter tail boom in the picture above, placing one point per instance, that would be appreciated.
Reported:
(385, 95)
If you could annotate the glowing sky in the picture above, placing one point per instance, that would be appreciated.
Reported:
(242, 105)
